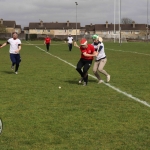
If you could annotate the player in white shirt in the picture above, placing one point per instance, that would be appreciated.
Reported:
(70, 41)
(15, 47)
(100, 59)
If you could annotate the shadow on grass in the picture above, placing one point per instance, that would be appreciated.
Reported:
(76, 81)
(8, 72)
(72, 81)
(92, 80)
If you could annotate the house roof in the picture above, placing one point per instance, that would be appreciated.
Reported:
(18, 26)
(123, 27)
(26, 28)
(130, 27)
(9, 24)
(82, 27)
(56, 25)
(90, 27)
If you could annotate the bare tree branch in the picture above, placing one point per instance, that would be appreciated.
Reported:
(126, 21)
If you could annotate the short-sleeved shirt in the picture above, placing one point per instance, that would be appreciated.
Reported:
(47, 40)
(70, 39)
(99, 47)
(89, 50)
(95, 45)
(14, 44)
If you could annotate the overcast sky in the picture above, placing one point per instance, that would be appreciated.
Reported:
(88, 11)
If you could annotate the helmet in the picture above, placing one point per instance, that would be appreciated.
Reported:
(95, 36)
(83, 42)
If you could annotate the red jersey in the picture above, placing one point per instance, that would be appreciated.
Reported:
(89, 50)
(47, 40)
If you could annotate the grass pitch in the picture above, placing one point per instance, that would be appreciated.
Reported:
(37, 115)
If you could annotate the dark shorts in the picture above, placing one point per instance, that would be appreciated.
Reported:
(15, 58)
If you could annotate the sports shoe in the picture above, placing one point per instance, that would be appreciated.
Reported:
(12, 67)
(84, 83)
(100, 81)
(108, 78)
(16, 72)
(80, 81)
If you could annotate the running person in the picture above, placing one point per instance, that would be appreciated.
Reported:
(15, 47)
(70, 41)
(100, 59)
(47, 42)
(87, 53)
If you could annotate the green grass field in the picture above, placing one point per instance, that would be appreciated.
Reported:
(37, 115)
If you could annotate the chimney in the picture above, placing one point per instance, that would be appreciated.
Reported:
(1, 21)
(106, 24)
(41, 23)
(133, 24)
(91, 24)
(67, 23)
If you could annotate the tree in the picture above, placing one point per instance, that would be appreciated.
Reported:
(2, 29)
(126, 21)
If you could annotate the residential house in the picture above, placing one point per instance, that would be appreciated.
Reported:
(10, 26)
(90, 29)
(82, 30)
(18, 29)
(26, 30)
(54, 28)
(107, 30)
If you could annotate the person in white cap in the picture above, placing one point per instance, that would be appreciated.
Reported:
(100, 59)
(87, 54)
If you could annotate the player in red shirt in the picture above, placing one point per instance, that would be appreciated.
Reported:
(47, 42)
(87, 54)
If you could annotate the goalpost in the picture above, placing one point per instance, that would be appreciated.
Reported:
(123, 38)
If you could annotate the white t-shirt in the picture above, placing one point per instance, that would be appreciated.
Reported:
(101, 52)
(70, 39)
(14, 44)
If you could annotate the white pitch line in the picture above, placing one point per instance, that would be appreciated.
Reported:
(107, 84)
(1, 126)
(128, 52)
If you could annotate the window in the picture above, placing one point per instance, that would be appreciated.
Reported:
(16, 30)
(104, 32)
(136, 32)
(128, 32)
